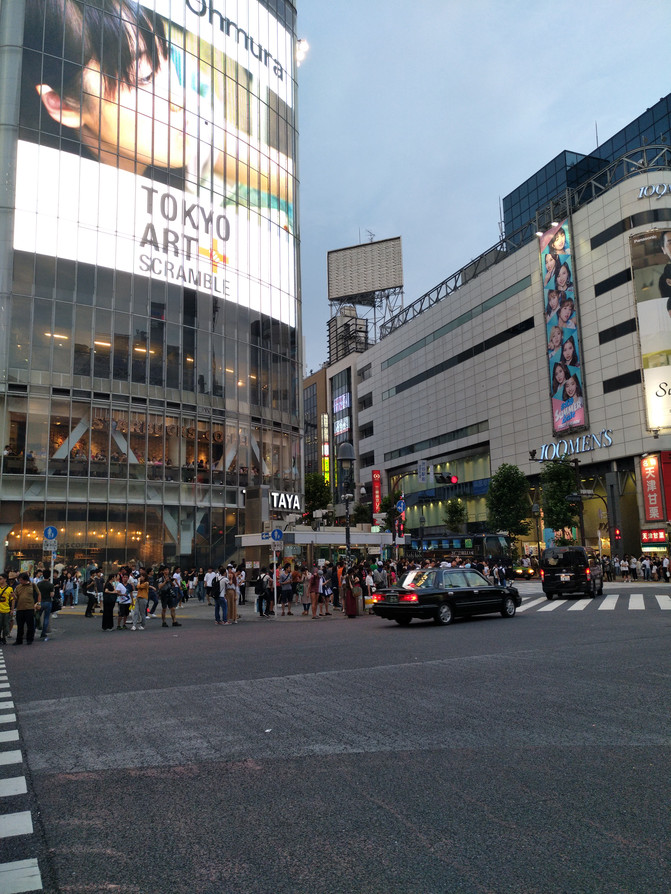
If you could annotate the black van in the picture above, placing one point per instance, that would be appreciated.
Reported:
(568, 569)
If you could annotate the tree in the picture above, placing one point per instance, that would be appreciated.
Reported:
(362, 514)
(557, 482)
(456, 515)
(508, 501)
(317, 492)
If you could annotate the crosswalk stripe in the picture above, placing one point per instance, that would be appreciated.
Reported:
(609, 602)
(10, 757)
(579, 605)
(5, 706)
(551, 606)
(534, 602)
(636, 602)
(664, 601)
(7, 718)
(16, 785)
(12, 824)
(22, 875)
(9, 735)
(4, 685)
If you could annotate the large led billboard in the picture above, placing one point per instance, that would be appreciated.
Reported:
(564, 351)
(157, 139)
(651, 267)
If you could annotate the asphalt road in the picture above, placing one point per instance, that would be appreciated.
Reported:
(524, 755)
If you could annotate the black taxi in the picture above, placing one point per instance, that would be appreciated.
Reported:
(443, 594)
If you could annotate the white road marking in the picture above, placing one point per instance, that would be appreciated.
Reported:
(9, 735)
(22, 875)
(636, 602)
(551, 606)
(579, 605)
(7, 718)
(16, 785)
(664, 602)
(16, 824)
(609, 603)
(534, 602)
(10, 757)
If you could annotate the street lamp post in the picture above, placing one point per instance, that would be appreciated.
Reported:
(348, 542)
(345, 484)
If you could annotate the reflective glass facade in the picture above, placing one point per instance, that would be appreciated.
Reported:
(149, 368)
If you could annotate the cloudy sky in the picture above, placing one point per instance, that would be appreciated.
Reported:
(416, 118)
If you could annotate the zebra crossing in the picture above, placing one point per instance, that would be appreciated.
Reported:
(18, 875)
(632, 602)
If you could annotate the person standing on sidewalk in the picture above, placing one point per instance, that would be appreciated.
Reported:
(91, 596)
(231, 590)
(46, 589)
(109, 601)
(141, 600)
(25, 601)
(217, 593)
(6, 594)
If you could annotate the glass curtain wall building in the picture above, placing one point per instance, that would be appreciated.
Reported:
(149, 307)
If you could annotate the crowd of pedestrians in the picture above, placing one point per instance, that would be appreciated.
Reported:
(129, 598)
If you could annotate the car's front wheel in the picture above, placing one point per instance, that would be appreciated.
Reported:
(509, 607)
(444, 615)
(403, 621)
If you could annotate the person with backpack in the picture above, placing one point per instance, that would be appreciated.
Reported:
(261, 592)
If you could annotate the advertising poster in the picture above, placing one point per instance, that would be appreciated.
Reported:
(157, 138)
(651, 270)
(564, 353)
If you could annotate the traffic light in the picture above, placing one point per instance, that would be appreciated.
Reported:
(618, 534)
(454, 479)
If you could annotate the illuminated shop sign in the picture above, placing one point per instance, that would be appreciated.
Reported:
(654, 536)
(342, 403)
(651, 270)
(283, 501)
(340, 426)
(651, 483)
(176, 163)
(564, 351)
(579, 444)
(377, 490)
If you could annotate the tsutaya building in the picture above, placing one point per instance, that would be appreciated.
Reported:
(555, 342)
(149, 306)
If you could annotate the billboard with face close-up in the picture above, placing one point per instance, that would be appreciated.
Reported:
(564, 352)
(157, 139)
(651, 269)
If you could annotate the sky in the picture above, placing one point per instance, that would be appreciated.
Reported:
(416, 119)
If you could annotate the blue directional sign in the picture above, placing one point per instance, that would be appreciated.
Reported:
(400, 506)
(276, 534)
(50, 533)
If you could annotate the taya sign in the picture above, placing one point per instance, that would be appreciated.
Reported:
(659, 190)
(288, 502)
(579, 444)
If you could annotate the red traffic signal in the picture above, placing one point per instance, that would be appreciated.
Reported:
(454, 479)
(618, 534)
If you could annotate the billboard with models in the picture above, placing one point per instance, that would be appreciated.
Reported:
(157, 139)
(651, 269)
(564, 353)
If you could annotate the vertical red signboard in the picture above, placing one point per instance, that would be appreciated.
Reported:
(377, 490)
(651, 482)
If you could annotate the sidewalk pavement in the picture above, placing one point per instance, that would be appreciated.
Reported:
(201, 611)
